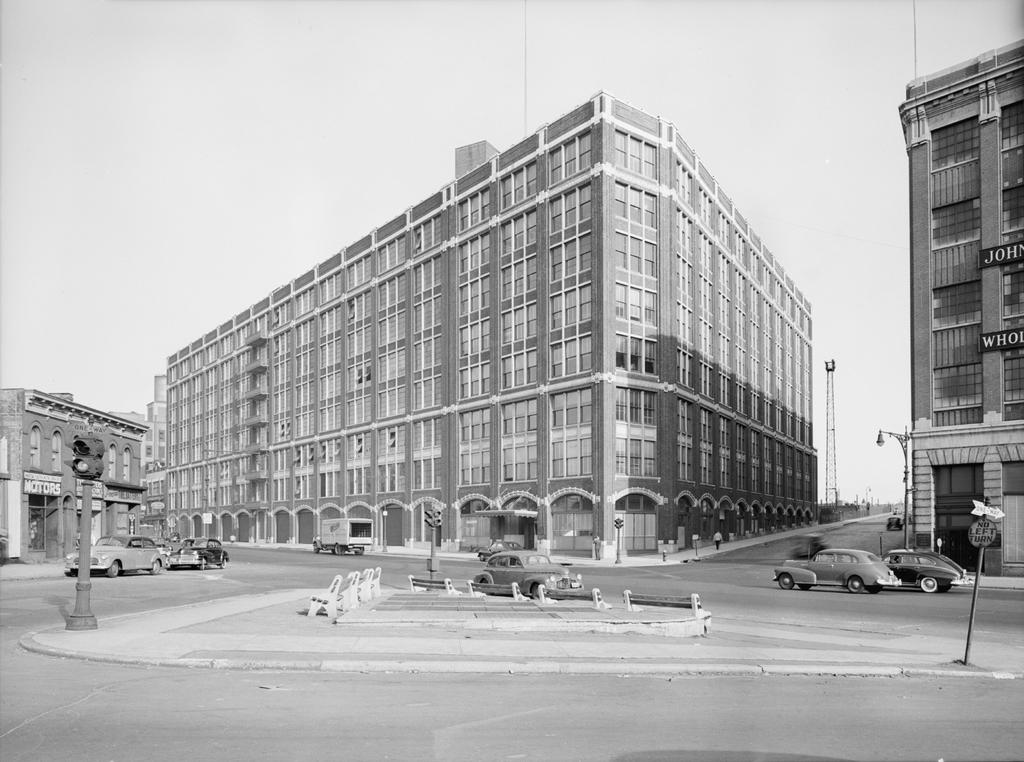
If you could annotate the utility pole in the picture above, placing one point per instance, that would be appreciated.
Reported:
(831, 488)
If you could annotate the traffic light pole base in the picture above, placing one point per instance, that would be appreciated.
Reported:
(82, 618)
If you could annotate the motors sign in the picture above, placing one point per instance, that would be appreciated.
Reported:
(41, 484)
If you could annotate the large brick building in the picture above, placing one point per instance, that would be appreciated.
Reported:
(964, 130)
(579, 328)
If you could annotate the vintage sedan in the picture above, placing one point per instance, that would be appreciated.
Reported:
(119, 553)
(497, 546)
(929, 571)
(856, 570)
(199, 552)
(529, 570)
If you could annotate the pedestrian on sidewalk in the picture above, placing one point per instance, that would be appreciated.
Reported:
(718, 540)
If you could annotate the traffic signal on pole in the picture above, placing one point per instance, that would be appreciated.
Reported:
(432, 516)
(618, 523)
(87, 457)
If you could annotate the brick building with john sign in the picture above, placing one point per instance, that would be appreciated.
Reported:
(964, 130)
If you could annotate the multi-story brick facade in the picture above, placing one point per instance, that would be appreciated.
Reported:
(39, 496)
(579, 328)
(964, 129)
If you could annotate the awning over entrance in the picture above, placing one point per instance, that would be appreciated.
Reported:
(523, 512)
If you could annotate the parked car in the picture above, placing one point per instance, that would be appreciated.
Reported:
(529, 570)
(927, 570)
(856, 570)
(199, 552)
(894, 522)
(497, 546)
(118, 553)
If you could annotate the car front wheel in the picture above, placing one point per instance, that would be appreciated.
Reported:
(223, 560)
(202, 564)
(483, 579)
(158, 566)
(786, 581)
(115, 569)
(855, 584)
(929, 585)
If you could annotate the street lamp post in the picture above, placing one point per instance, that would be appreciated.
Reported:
(904, 440)
(384, 530)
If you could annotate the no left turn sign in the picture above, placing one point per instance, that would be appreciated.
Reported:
(982, 533)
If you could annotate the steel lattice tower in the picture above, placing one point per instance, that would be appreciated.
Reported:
(831, 490)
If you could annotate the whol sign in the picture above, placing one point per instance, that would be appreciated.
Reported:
(1012, 338)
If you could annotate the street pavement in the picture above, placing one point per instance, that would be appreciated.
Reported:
(404, 631)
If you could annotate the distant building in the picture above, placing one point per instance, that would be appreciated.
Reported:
(40, 500)
(964, 130)
(580, 329)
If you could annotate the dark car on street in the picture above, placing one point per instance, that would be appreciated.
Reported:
(529, 570)
(856, 570)
(931, 572)
(894, 522)
(497, 546)
(199, 552)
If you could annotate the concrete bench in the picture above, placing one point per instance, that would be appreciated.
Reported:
(481, 589)
(342, 595)
(634, 601)
(553, 596)
(369, 585)
(418, 584)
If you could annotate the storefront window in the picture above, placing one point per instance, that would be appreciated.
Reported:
(35, 528)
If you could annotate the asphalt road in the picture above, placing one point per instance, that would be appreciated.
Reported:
(54, 708)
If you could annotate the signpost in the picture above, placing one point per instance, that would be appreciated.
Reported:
(432, 518)
(982, 533)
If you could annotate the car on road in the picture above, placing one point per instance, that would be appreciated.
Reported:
(931, 572)
(199, 552)
(893, 522)
(118, 553)
(808, 545)
(529, 570)
(497, 546)
(856, 570)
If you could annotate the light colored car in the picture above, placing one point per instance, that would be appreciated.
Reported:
(199, 552)
(529, 570)
(927, 570)
(118, 553)
(856, 570)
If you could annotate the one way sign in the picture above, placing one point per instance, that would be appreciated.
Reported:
(980, 509)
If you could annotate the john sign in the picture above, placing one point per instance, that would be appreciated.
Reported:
(1002, 255)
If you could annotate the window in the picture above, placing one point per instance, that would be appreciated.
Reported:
(126, 465)
(519, 185)
(571, 356)
(1013, 209)
(958, 386)
(635, 406)
(569, 158)
(427, 235)
(569, 209)
(955, 143)
(34, 443)
(474, 253)
(111, 462)
(519, 441)
(518, 233)
(56, 450)
(475, 447)
(636, 354)
(571, 434)
(956, 304)
(1013, 388)
(391, 254)
(956, 222)
(636, 206)
(1013, 294)
(475, 209)
(636, 155)
(359, 272)
(570, 258)
(636, 254)
(570, 307)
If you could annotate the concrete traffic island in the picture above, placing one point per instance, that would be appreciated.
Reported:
(271, 631)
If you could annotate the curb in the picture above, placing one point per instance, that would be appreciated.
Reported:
(667, 670)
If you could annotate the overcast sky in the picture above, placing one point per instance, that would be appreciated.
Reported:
(166, 164)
